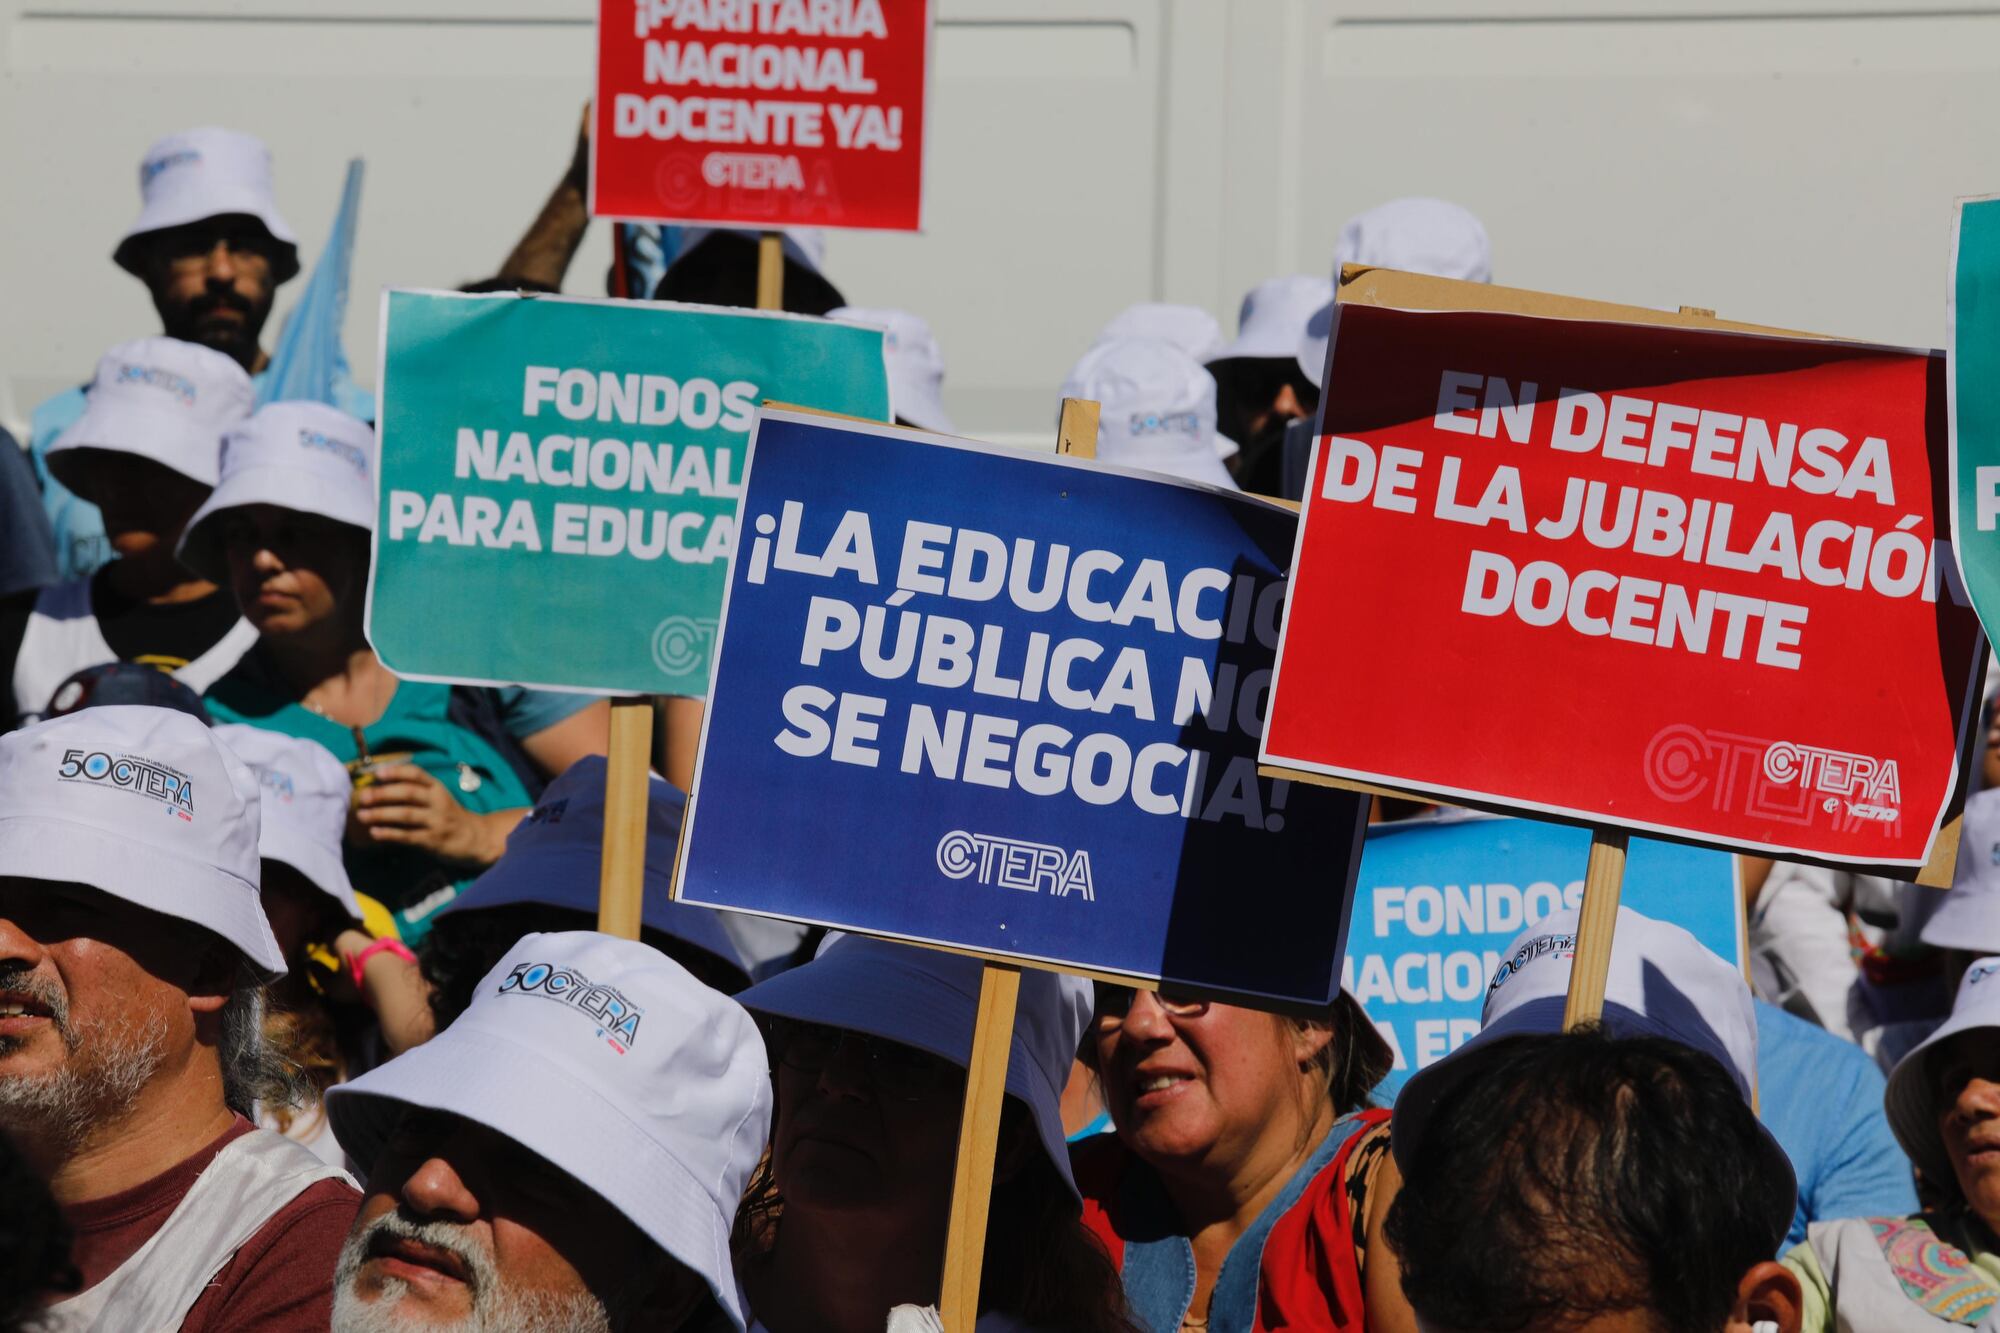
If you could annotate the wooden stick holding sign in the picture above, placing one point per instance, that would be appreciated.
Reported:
(621, 884)
(771, 271)
(992, 1036)
(680, 715)
(1596, 919)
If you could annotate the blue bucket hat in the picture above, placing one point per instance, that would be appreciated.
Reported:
(554, 853)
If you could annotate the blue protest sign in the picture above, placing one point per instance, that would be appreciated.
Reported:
(1439, 901)
(1010, 702)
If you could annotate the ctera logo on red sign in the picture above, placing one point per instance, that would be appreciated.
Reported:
(1677, 580)
(761, 113)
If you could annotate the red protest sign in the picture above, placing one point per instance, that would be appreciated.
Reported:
(1668, 579)
(761, 113)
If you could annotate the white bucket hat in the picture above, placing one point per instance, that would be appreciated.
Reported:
(1158, 408)
(1969, 917)
(306, 457)
(916, 366)
(146, 805)
(160, 399)
(1274, 316)
(1662, 983)
(1187, 327)
(305, 797)
(609, 1060)
(929, 999)
(1911, 1100)
(207, 173)
(1417, 235)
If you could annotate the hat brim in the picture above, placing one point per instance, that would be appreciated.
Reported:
(117, 427)
(1911, 1102)
(533, 875)
(512, 1088)
(281, 487)
(131, 251)
(871, 994)
(319, 865)
(145, 875)
(922, 409)
(1199, 462)
(1969, 922)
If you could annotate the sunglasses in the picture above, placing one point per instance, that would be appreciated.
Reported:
(1114, 1002)
(899, 1072)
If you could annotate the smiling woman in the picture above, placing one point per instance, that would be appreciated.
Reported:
(1242, 1136)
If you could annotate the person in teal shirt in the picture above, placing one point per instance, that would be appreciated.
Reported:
(442, 773)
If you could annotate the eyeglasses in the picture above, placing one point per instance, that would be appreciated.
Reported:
(899, 1072)
(1114, 1002)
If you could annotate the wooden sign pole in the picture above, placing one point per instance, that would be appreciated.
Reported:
(1596, 920)
(621, 881)
(992, 1035)
(771, 271)
(680, 714)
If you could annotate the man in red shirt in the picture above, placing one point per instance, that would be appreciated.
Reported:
(133, 950)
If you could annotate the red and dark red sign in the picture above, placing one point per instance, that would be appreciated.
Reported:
(761, 113)
(1675, 580)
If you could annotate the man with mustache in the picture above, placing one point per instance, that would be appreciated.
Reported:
(147, 450)
(133, 955)
(566, 1157)
(212, 249)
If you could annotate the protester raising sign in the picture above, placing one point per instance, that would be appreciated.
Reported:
(1440, 900)
(559, 478)
(1017, 699)
(761, 113)
(1652, 577)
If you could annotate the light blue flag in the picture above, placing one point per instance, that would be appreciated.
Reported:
(310, 363)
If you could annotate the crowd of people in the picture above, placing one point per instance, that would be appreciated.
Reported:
(304, 1022)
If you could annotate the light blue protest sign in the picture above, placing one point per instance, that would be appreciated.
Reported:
(975, 697)
(1440, 900)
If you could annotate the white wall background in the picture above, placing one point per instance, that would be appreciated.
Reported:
(1786, 161)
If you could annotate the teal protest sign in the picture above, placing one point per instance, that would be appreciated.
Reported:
(1973, 354)
(559, 479)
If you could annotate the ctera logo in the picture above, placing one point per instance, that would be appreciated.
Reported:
(180, 386)
(1867, 787)
(1011, 863)
(617, 1018)
(1542, 946)
(133, 773)
(166, 162)
(347, 453)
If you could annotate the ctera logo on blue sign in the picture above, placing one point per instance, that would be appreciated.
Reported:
(617, 1018)
(1011, 863)
(134, 773)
